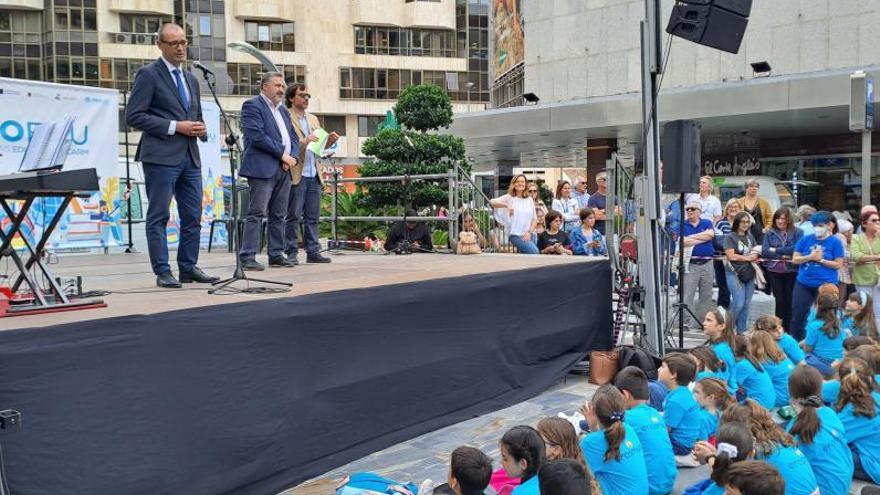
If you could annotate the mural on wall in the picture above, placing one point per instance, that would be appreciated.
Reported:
(509, 41)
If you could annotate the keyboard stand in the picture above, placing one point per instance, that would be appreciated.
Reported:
(55, 300)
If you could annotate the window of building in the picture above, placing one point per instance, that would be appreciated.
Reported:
(20, 44)
(118, 73)
(386, 84)
(368, 125)
(411, 1)
(383, 40)
(246, 77)
(333, 123)
(141, 24)
(272, 36)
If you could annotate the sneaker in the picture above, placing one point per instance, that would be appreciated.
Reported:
(686, 461)
(280, 261)
(252, 266)
(317, 258)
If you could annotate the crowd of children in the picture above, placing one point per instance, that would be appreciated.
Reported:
(767, 414)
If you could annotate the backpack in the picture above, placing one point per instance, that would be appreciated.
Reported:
(640, 358)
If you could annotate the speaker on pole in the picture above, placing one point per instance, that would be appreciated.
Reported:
(719, 24)
(680, 152)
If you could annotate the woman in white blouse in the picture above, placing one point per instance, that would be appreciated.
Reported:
(568, 206)
(520, 210)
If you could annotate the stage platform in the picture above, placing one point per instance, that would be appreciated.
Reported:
(132, 285)
(178, 391)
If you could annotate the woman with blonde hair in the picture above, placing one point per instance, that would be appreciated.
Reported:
(757, 207)
(517, 211)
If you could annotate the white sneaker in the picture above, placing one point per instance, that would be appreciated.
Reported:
(686, 461)
(427, 487)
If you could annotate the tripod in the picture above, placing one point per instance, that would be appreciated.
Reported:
(234, 147)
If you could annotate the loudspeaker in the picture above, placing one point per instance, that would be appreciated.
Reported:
(719, 24)
(680, 152)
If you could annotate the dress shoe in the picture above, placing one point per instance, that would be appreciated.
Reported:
(252, 266)
(280, 261)
(291, 258)
(317, 258)
(197, 275)
(167, 281)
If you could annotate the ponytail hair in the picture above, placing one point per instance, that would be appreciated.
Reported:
(717, 389)
(768, 435)
(742, 351)
(767, 323)
(870, 354)
(735, 442)
(805, 388)
(864, 320)
(826, 310)
(764, 348)
(609, 406)
(856, 384)
(707, 359)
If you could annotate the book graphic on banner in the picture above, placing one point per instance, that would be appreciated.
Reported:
(319, 147)
(48, 146)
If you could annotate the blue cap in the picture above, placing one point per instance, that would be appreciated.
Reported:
(820, 217)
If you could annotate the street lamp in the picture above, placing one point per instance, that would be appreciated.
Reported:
(469, 87)
(244, 47)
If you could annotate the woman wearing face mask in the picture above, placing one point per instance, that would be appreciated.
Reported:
(819, 256)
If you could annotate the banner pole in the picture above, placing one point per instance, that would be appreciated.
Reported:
(128, 185)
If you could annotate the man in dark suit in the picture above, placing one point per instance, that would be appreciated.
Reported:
(270, 145)
(164, 105)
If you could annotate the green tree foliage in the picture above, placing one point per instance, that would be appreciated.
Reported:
(419, 109)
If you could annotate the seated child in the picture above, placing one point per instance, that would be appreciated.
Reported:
(711, 394)
(773, 325)
(522, 453)
(614, 452)
(708, 364)
(824, 340)
(858, 408)
(650, 428)
(775, 363)
(754, 382)
(561, 442)
(565, 477)
(735, 444)
(680, 409)
(754, 478)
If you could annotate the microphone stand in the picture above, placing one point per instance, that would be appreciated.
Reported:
(233, 146)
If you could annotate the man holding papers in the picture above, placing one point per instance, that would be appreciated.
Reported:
(304, 204)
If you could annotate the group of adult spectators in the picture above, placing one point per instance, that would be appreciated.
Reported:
(745, 246)
(574, 223)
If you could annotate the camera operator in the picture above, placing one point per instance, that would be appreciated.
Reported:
(417, 233)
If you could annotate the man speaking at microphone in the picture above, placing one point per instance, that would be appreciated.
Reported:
(164, 104)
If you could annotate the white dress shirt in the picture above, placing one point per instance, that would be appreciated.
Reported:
(172, 127)
(279, 121)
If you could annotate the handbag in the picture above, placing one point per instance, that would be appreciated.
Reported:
(467, 243)
(603, 366)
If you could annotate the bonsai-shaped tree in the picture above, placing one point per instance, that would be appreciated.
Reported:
(419, 109)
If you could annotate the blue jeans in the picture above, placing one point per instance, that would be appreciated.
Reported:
(304, 208)
(524, 246)
(740, 299)
(821, 364)
(802, 298)
(184, 183)
(267, 196)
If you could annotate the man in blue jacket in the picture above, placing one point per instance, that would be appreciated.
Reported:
(164, 104)
(269, 149)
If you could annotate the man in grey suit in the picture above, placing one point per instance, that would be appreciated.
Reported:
(164, 104)
(270, 146)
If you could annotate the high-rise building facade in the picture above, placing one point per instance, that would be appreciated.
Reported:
(355, 55)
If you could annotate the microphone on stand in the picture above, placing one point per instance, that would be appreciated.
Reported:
(205, 70)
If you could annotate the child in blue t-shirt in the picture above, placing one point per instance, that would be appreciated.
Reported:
(708, 364)
(711, 394)
(753, 380)
(718, 328)
(522, 453)
(819, 433)
(614, 452)
(680, 409)
(868, 353)
(824, 340)
(859, 410)
(858, 316)
(735, 443)
(773, 325)
(650, 428)
(777, 365)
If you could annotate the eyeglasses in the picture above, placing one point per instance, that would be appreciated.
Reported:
(532, 191)
(874, 220)
(601, 179)
(304, 96)
(692, 209)
(175, 44)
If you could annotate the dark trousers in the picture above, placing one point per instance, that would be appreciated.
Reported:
(304, 208)
(802, 298)
(782, 285)
(721, 280)
(184, 183)
(267, 197)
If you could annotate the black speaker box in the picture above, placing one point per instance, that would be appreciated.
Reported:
(718, 24)
(680, 152)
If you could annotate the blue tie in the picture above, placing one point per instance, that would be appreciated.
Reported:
(181, 91)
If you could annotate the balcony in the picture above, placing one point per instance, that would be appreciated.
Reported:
(142, 6)
(22, 4)
(262, 10)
